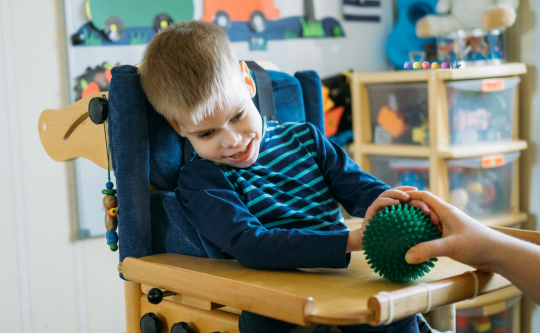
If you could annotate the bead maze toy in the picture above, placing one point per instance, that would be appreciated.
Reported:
(390, 234)
(433, 65)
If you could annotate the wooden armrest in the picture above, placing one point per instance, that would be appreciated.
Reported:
(526, 235)
(326, 296)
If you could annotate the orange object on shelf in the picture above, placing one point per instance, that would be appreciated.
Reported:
(328, 103)
(392, 121)
(332, 119)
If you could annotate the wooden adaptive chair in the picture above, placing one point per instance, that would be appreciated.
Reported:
(175, 280)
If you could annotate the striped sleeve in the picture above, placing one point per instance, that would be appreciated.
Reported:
(353, 188)
(212, 206)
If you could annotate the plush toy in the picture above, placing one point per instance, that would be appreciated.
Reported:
(467, 15)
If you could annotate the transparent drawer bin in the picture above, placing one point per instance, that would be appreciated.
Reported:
(397, 171)
(481, 111)
(479, 186)
(482, 186)
(399, 113)
(494, 318)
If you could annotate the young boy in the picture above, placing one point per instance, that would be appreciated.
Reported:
(266, 194)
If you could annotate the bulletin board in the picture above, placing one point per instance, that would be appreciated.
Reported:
(329, 36)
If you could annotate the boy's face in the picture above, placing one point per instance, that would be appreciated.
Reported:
(232, 136)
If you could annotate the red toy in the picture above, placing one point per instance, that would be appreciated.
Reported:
(426, 65)
(256, 12)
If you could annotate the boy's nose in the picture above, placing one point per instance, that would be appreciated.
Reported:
(230, 139)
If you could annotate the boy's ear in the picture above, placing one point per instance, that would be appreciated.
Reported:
(248, 80)
(175, 126)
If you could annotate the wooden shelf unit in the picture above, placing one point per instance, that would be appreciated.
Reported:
(439, 148)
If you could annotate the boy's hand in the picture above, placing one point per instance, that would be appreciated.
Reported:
(387, 198)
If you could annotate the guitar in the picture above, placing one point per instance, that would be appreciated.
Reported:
(402, 44)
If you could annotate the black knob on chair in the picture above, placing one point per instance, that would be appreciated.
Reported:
(155, 295)
(150, 323)
(98, 110)
(181, 327)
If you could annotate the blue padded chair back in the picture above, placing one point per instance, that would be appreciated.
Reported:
(146, 149)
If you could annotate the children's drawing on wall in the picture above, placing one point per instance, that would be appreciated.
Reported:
(94, 80)
(129, 22)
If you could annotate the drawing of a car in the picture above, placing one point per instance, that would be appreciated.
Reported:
(113, 17)
(255, 12)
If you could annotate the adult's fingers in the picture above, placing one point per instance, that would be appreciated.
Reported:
(425, 209)
(429, 198)
(395, 194)
(406, 188)
(436, 248)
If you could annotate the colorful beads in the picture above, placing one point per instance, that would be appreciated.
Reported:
(109, 201)
(427, 65)
(110, 223)
(112, 240)
(111, 212)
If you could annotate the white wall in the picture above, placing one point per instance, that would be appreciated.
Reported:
(52, 283)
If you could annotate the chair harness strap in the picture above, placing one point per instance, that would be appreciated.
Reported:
(264, 94)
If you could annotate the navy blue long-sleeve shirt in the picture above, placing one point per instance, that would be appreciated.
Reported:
(281, 211)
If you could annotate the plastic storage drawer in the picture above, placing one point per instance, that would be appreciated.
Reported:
(481, 111)
(480, 186)
(399, 113)
(478, 320)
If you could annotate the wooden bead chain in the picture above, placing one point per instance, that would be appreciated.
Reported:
(110, 203)
(111, 213)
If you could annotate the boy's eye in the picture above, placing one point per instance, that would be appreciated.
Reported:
(206, 134)
(238, 115)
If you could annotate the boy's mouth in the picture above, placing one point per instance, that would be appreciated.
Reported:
(242, 155)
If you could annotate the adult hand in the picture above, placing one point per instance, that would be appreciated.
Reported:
(463, 238)
(387, 198)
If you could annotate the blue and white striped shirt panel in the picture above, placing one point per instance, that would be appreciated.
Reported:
(285, 187)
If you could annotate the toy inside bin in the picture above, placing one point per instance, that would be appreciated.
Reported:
(482, 186)
(481, 111)
(399, 113)
(495, 318)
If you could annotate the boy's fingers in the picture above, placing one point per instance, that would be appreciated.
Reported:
(427, 250)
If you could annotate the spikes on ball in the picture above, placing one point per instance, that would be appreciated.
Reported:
(390, 234)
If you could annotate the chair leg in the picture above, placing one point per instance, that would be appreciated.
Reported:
(133, 294)
(443, 318)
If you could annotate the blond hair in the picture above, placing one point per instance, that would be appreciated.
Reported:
(188, 70)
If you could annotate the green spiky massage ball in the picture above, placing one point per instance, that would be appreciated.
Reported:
(390, 234)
